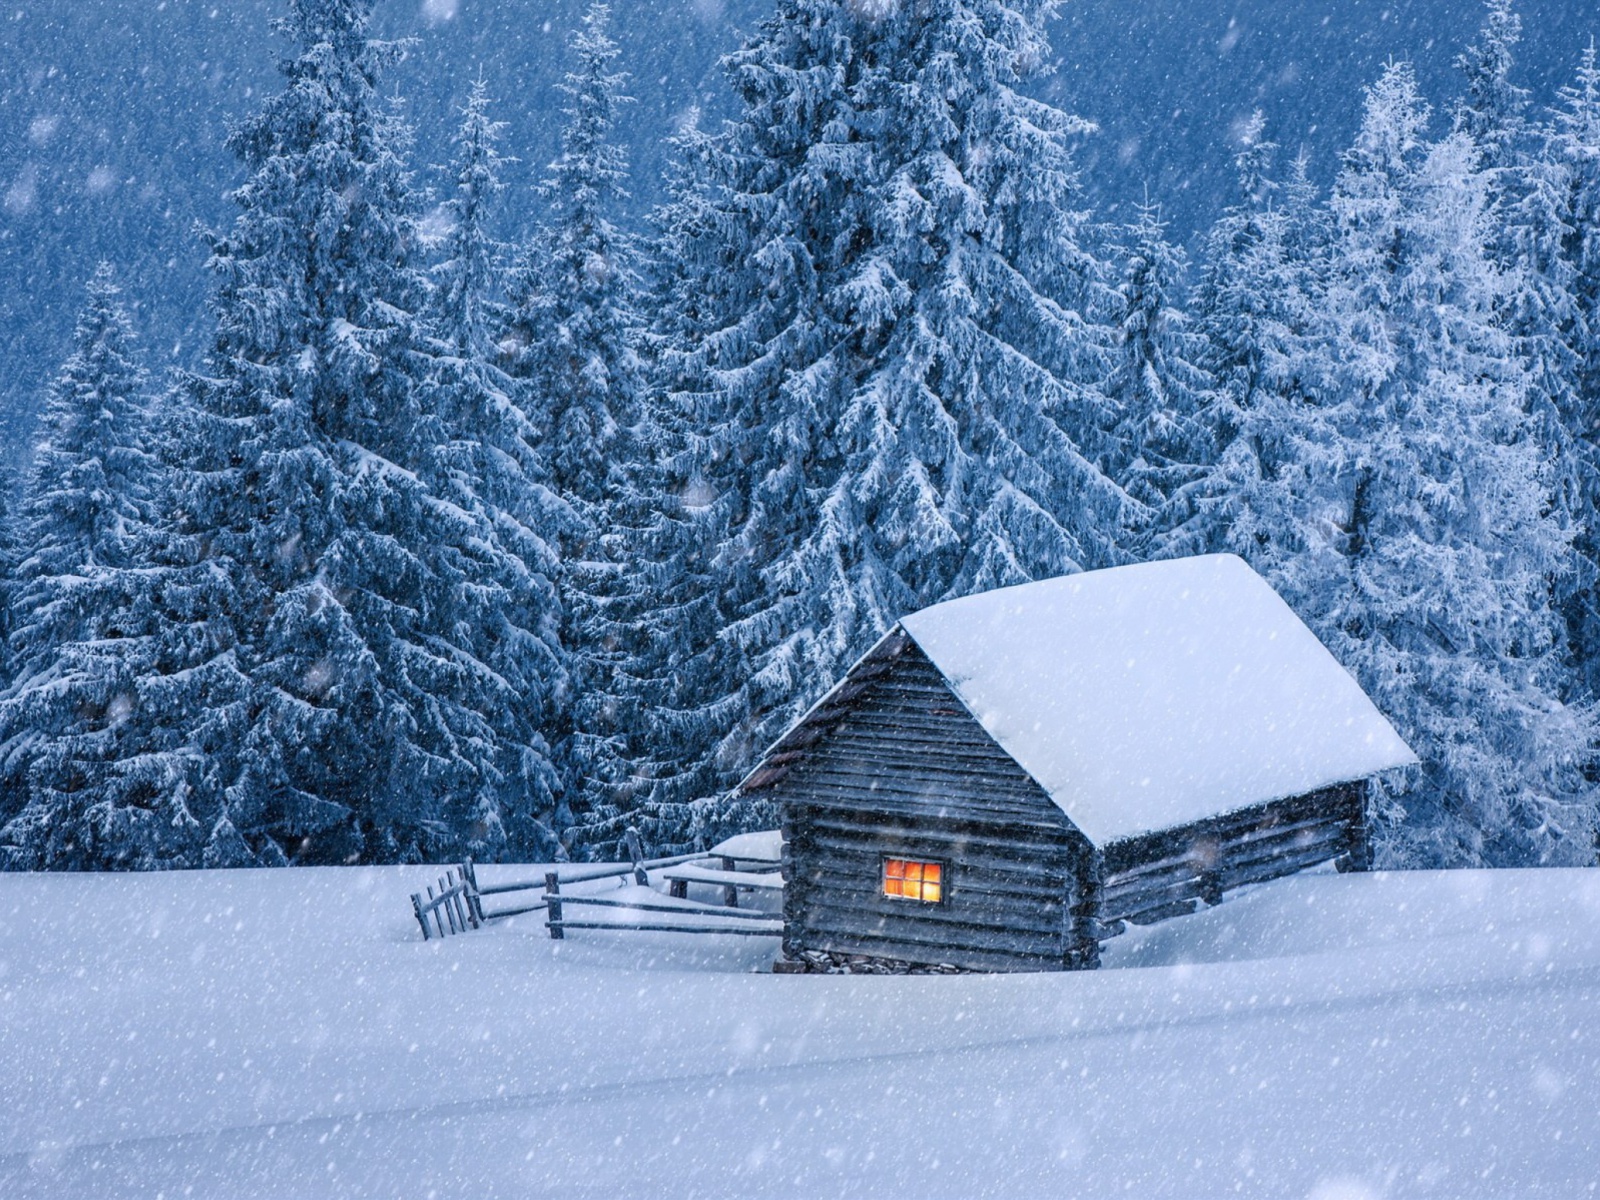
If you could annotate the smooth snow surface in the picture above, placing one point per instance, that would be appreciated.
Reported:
(1154, 695)
(287, 1034)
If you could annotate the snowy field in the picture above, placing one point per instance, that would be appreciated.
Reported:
(287, 1033)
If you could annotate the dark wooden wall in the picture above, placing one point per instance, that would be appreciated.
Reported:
(1172, 872)
(897, 766)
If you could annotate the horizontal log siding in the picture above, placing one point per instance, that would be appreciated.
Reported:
(1164, 874)
(994, 911)
(906, 771)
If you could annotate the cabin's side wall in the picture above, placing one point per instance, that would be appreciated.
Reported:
(1173, 872)
(902, 770)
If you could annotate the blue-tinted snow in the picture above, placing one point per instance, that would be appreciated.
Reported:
(288, 1034)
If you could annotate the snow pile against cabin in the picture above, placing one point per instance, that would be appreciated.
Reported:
(1066, 756)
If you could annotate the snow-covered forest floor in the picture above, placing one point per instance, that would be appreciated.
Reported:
(287, 1033)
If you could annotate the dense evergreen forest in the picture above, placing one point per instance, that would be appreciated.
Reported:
(460, 545)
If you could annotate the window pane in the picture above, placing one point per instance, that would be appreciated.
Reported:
(906, 879)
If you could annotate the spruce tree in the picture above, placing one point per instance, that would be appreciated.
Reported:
(1492, 112)
(1157, 389)
(672, 686)
(496, 521)
(897, 353)
(1260, 309)
(307, 488)
(576, 330)
(1439, 509)
(1574, 142)
(1559, 258)
(94, 775)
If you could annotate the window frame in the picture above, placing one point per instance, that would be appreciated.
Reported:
(885, 858)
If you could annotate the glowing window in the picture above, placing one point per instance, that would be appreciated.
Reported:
(904, 879)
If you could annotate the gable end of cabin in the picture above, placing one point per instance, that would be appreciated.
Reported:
(911, 835)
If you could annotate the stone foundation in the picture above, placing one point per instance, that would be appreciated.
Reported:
(830, 962)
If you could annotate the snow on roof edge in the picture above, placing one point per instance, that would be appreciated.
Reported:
(1084, 779)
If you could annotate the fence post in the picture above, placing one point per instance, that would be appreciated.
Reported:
(416, 907)
(552, 892)
(446, 886)
(640, 875)
(474, 901)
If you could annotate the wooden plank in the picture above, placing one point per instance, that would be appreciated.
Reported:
(768, 881)
(1034, 926)
(515, 912)
(708, 910)
(1150, 916)
(934, 953)
(649, 927)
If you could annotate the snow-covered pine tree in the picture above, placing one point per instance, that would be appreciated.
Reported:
(1437, 597)
(574, 316)
(1558, 312)
(497, 519)
(1492, 112)
(93, 776)
(306, 490)
(895, 369)
(673, 685)
(1158, 392)
(9, 546)
(1259, 307)
(1575, 143)
(1525, 196)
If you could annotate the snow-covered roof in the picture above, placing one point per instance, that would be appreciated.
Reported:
(1150, 696)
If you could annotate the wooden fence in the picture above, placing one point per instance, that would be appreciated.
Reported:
(757, 924)
(457, 904)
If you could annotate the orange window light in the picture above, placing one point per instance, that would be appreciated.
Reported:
(904, 879)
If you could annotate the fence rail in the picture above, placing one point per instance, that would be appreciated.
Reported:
(457, 904)
(756, 924)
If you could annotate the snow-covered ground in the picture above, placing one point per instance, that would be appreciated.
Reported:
(287, 1033)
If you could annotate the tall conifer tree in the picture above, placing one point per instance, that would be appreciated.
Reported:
(95, 774)
(1445, 534)
(898, 352)
(497, 521)
(575, 321)
(1157, 389)
(307, 489)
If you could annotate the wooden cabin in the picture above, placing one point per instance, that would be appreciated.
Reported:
(1004, 780)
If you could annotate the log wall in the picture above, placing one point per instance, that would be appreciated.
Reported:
(1175, 871)
(901, 769)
